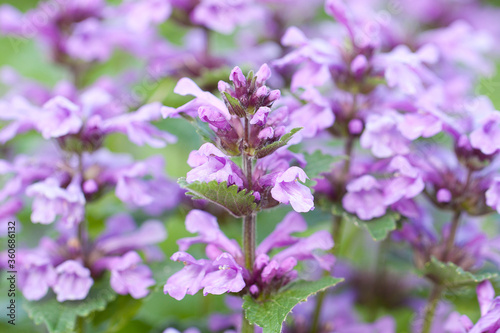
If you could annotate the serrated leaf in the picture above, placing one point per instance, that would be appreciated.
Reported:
(239, 203)
(271, 313)
(271, 148)
(61, 317)
(452, 276)
(233, 105)
(318, 163)
(378, 228)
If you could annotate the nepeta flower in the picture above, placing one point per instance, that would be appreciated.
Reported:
(493, 195)
(129, 277)
(490, 314)
(224, 271)
(36, 275)
(365, 198)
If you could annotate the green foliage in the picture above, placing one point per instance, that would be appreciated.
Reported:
(271, 148)
(318, 163)
(62, 317)
(452, 276)
(238, 203)
(378, 228)
(271, 312)
(117, 313)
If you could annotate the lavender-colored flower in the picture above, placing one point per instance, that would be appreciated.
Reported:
(61, 117)
(227, 278)
(490, 314)
(189, 279)
(206, 226)
(222, 15)
(407, 184)
(365, 198)
(382, 136)
(189, 330)
(487, 137)
(89, 41)
(121, 235)
(73, 281)
(51, 200)
(287, 189)
(209, 163)
(187, 86)
(128, 276)
(493, 195)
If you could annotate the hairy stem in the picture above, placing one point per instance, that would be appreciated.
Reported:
(430, 308)
(249, 228)
(249, 222)
(450, 241)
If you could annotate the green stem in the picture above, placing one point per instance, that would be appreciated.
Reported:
(430, 308)
(249, 223)
(450, 241)
(249, 228)
(246, 327)
(80, 325)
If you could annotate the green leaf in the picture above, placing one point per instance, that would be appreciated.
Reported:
(378, 228)
(271, 313)
(318, 163)
(452, 276)
(61, 317)
(271, 148)
(238, 203)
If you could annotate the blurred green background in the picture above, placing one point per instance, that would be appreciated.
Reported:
(158, 311)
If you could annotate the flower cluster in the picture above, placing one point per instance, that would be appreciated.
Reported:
(243, 124)
(224, 271)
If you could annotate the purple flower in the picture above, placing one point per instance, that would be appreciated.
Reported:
(206, 226)
(407, 184)
(137, 127)
(223, 15)
(315, 116)
(21, 114)
(288, 190)
(189, 279)
(129, 277)
(141, 15)
(73, 281)
(490, 313)
(60, 117)
(487, 137)
(365, 198)
(280, 237)
(36, 275)
(382, 136)
(209, 164)
(490, 309)
(89, 41)
(52, 200)
(189, 330)
(121, 235)
(227, 278)
(304, 249)
(187, 86)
